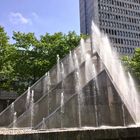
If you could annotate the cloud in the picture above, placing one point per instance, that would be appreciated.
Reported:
(17, 18)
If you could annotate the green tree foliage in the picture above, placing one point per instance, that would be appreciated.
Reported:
(29, 58)
(133, 64)
(24, 59)
(7, 52)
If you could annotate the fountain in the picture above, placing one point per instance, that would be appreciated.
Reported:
(14, 120)
(109, 59)
(89, 71)
(62, 75)
(28, 98)
(83, 50)
(123, 110)
(71, 64)
(48, 81)
(43, 124)
(58, 69)
(89, 99)
(79, 99)
(62, 102)
(32, 109)
(12, 109)
(45, 83)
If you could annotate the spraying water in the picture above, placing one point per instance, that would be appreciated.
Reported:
(62, 102)
(28, 98)
(48, 81)
(71, 64)
(62, 107)
(12, 111)
(135, 98)
(48, 88)
(83, 50)
(112, 62)
(32, 108)
(12, 108)
(89, 68)
(58, 69)
(45, 85)
(15, 120)
(123, 111)
(62, 71)
(43, 124)
(96, 89)
(79, 96)
(76, 64)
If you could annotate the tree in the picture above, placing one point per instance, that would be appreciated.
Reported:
(58, 43)
(133, 64)
(24, 59)
(29, 58)
(33, 57)
(6, 61)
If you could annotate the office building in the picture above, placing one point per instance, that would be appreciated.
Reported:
(119, 19)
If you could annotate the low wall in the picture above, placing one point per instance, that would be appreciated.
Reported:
(79, 134)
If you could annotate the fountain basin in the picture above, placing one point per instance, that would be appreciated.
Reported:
(84, 133)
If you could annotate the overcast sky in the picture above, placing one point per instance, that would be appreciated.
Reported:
(39, 16)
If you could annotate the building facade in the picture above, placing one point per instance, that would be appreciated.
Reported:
(119, 19)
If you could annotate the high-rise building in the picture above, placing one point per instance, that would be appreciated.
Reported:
(120, 19)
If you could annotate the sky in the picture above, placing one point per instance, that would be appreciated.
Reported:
(40, 16)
